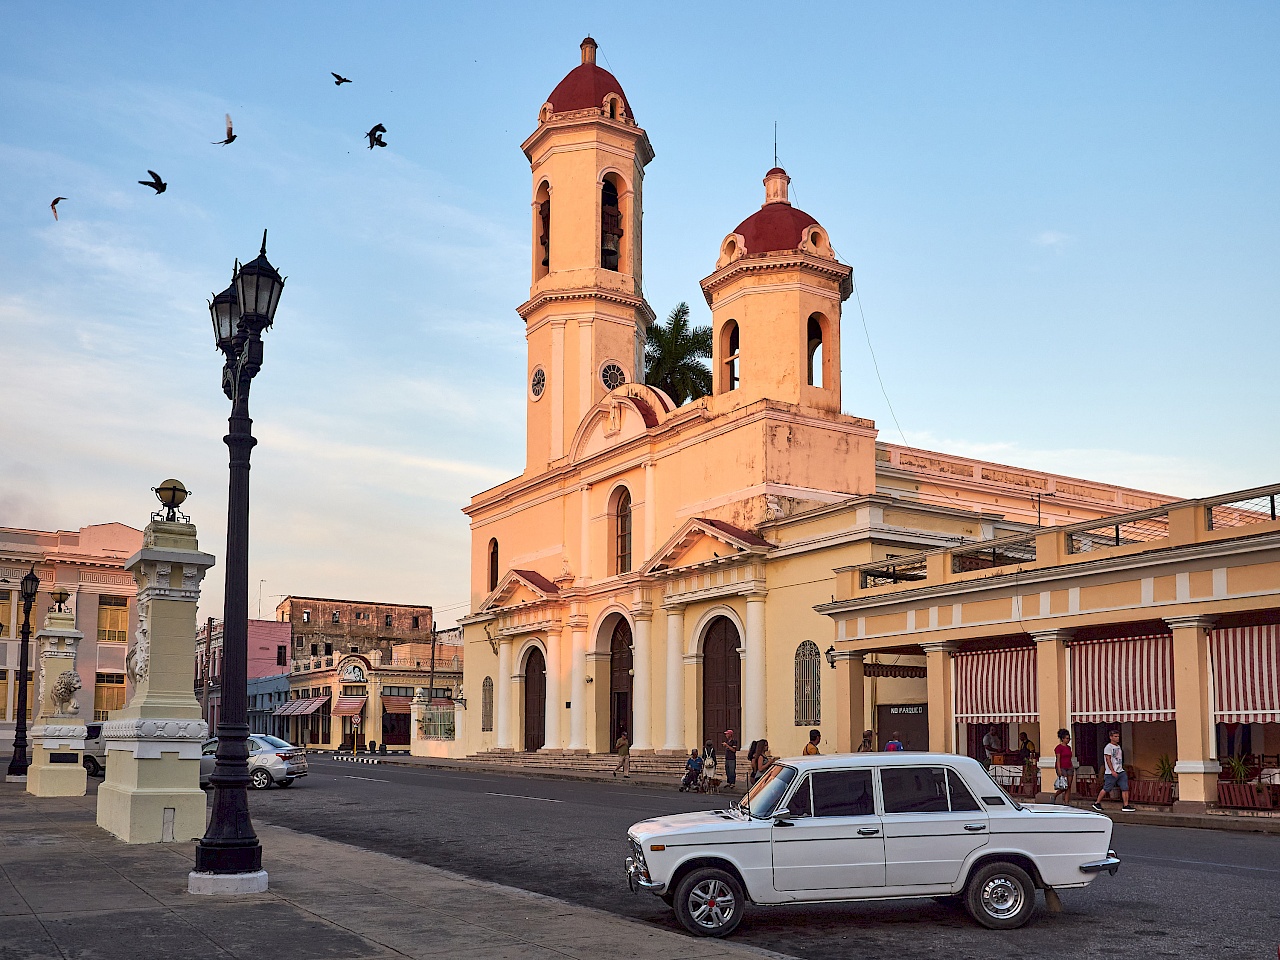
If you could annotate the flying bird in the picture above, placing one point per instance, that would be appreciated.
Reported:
(338, 79)
(155, 183)
(54, 206)
(375, 136)
(230, 136)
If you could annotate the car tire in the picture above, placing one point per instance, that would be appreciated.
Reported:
(285, 783)
(93, 767)
(259, 778)
(1000, 896)
(700, 902)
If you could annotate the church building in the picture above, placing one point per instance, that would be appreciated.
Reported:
(655, 569)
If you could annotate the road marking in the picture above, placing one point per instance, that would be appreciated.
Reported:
(373, 779)
(520, 796)
(1200, 863)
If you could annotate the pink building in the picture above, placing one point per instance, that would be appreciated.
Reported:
(268, 657)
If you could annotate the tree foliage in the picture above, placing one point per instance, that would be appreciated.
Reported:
(673, 357)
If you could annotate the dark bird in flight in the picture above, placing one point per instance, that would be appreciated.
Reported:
(338, 79)
(230, 136)
(155, 183)
(375, 136)
(54, 206)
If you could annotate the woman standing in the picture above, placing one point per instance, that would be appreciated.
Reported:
(1063, 767)
(760, 763)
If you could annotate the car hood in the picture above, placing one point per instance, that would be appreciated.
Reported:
(705, 823)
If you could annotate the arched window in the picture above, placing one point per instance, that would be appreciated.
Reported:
(610, 225)
(731, 347)
(486, 705)
(542, 227)
(493, 564)
(808, 685)
(622, 531)
(815, 351)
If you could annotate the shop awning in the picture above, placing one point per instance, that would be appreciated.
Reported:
(349, 706)
(298, 708)
(397, 704)
(1113, 681)
(997, 686)
(1246, 674)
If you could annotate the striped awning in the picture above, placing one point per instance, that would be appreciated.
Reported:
(1113, 681)
(349, 706)
(297, 708)
(1246, 674)
(397, 704)
(996, 686)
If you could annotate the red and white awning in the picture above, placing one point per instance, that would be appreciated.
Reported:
(997, 686)
(349, 706)
(392, 704)
(1246, 674)
(1113, 681)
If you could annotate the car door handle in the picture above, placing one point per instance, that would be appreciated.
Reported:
(975, 827)
(868, 831)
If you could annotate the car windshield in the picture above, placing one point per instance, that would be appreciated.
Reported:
(275, 741)
(762, 799)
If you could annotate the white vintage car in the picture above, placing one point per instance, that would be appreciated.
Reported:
(869, 826)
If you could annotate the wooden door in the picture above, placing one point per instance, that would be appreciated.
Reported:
(620, 666)
(722, 683)
(535, 701)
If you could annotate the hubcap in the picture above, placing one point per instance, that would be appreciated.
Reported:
(1002, 897)
(711, 904)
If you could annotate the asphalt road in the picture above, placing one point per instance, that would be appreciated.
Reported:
(1181, 892)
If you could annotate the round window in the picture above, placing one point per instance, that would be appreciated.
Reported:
(538, 383)
(612, 376)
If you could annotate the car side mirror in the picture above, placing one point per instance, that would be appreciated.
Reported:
(781, 815)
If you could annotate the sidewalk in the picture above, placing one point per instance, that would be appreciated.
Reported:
(69, 889)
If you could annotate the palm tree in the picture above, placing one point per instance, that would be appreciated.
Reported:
(673, 357)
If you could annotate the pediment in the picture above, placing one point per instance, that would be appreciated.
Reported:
(701, 540)
(624, 414)
(518, 588)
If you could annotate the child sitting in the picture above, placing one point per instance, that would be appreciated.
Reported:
(692, 771)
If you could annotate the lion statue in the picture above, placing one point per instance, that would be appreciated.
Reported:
(64, 694)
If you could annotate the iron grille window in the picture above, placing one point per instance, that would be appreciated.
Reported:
(437, 723)
(624, 532)
(486, 705)
(612, 376)
(808, 685)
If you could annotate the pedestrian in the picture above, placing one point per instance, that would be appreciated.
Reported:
(868, 742)
(991, 744)
(760, 763)
(751, 762)
(623, 749)
(730, 758)
(692, 771)
(1063, 767)
(710, 768)
(1027, 748)
(1115, 775)
(811, 748)
(894, 743)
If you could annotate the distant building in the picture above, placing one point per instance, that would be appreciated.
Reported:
(268, 658)
(90, 564)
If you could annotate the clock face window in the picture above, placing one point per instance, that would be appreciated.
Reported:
(612, 376)
(538, 383)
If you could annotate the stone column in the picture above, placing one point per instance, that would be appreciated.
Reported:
(152, 788)
(850, 709)
(1051, 686)
(942, 721)
(503, 724)
(551, 725)
(578, 704)
(1196, 767)
(57, 737)
(753, 706)
(641, 682)
(675, 680)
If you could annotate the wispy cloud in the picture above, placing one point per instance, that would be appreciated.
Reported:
(1053, 239)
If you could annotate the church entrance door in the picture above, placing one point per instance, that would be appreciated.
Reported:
(721, 682)
(620, 664)
(535, 701)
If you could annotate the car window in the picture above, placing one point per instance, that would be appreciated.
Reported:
(276, 741)
(210, 748)
(255, 744)
(914, 789)
(843, 793)
(801, 802)
(772, 786)
(961, 798)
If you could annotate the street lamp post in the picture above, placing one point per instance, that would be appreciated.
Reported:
(29, 587)
(240, 315)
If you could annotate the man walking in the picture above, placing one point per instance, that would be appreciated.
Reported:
(730, 745)
(868, 742)
(811, 748)
(1115, 776)
(623, 750)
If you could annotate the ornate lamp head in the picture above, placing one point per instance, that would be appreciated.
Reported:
(30, 586)
(831, 656)
(172, 494)
(60, 598)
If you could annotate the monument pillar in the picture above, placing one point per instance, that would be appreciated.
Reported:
(152, 790)
(57, 738)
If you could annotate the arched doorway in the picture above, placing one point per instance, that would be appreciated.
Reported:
(721, 682)
(535, 701)
(620, 682)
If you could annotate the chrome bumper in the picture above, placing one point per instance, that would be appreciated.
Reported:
(1110, 864)
(638, 878)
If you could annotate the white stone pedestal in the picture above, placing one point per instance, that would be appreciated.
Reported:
(57, 737)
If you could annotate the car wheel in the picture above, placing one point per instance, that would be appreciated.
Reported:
(285, 783)
(1000, 896)
(92, 765)
(709, 902)
(260, 779)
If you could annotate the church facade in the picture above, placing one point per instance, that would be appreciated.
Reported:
(655, 569)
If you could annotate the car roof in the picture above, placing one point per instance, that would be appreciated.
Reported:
(896, 758)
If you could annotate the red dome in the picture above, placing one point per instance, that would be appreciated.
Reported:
(586, 86)
(775, 226)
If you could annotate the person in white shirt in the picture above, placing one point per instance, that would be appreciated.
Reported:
(1114, 774)
(991, 744)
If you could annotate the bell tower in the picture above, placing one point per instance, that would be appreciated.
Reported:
(585, 319)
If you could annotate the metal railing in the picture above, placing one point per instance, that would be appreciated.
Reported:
(437, 723)
(1120, 532)
(1242, 513)
(912, 569)
(996, 553)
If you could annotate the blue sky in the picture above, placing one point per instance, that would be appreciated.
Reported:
(1064, 221)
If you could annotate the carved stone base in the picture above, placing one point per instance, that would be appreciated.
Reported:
(152, 799)
(57, 770)
(226, 884)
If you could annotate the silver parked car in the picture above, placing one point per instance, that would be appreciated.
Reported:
(271, 760)
(95, 750)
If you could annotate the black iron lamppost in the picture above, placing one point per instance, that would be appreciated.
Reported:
(29, 587)
(240, 314)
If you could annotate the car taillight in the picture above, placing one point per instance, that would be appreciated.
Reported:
(285, 756)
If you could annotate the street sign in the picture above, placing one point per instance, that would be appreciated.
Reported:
(355, 720)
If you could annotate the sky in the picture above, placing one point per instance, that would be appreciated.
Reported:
(1064, 222)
